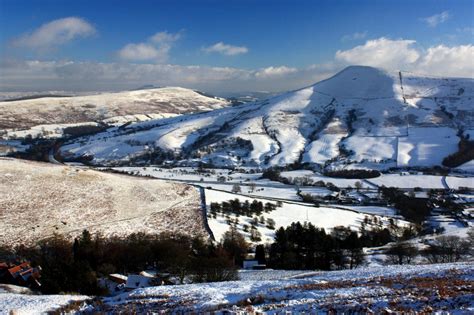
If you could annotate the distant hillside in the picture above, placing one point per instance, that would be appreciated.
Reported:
(154, 103)
(362, 117)
(39, 199)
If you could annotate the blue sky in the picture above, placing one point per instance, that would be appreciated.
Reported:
(295, 41)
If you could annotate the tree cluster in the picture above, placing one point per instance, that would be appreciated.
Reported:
(76, 266)
(412, 208)
(272, 174)
(442, 249)
(447, 249)
(464, 154)
(303, 246)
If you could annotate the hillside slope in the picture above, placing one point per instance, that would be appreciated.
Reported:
(111, 107)
(361, 117)
(39, 199)
(388, 289)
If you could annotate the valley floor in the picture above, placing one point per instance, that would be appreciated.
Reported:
(219, 186)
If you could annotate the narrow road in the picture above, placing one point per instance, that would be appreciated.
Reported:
(51, 157)
(444, 182)
(202, 191)
(372, 184)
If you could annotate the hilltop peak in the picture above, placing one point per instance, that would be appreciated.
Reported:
(359, 82)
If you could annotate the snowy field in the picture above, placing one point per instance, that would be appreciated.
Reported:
(382, 211)
(24, 304)
(418, 288)
(456, 182)
(338, 182)
(191, 174)
(426, 146)
(270, 274)
(323, 217)
(403, 180)
(267, 188)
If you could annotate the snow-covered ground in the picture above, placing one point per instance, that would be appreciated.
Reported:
(25, 304)
(263, 187)
(48, 131)
(270, 274)
(293, 210)
(323, 217)
(446, 287)
(456, 182)
(404, 180)
(426, 146)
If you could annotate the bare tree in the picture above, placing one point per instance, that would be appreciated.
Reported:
(255, 235)
(236, 189)
(446, 248)
(401, 253)
(252, 187)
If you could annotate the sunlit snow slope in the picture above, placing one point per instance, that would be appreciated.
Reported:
(361, 117)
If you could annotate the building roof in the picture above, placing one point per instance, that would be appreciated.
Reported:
(138, 281)
(18, 268)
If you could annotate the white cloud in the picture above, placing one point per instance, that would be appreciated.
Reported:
(155, 49)
(55, 33)
(225, 49)
(382, 52)
(454, 61)
(144, 52)
(401, 54)
(434, 20)
(354, 36)
(272, 72)
(165, 37)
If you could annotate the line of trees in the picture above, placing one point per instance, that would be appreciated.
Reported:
(303, 246)
(75, 266)
(464, 154)
(238, 208)
(355, 174)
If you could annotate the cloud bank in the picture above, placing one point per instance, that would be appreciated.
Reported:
(390, 54)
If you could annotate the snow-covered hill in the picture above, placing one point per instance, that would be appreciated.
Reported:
(361, 117)
(119, 107)
(39, 199)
